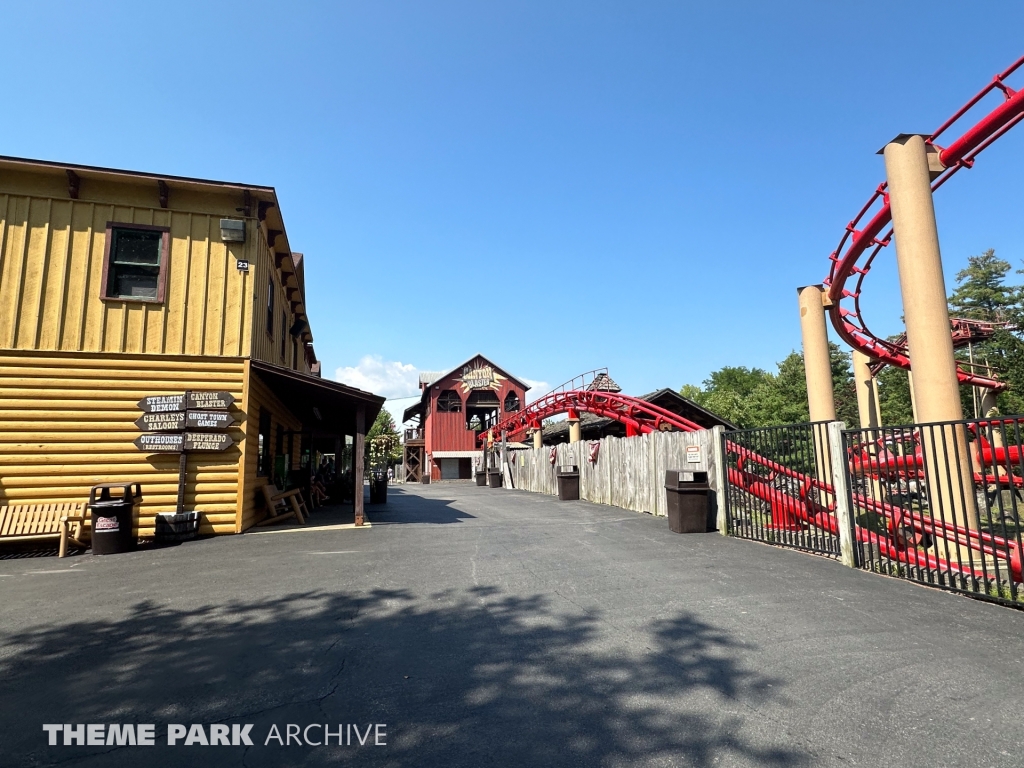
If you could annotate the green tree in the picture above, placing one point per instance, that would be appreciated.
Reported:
(894, 396)
(752, 397)
(981, 292)
(383, 441)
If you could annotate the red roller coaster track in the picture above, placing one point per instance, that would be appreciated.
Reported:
(580, 396)
(865, 237)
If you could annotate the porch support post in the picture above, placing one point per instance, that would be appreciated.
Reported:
(357, 459)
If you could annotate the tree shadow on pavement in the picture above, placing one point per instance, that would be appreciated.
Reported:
(460, 678)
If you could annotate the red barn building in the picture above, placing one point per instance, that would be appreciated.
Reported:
(454, 408)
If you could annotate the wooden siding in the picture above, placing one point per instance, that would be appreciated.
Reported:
(51, 267)
(447, 431)
(629, 472)
(258, 395)
(67, 423)
(267, 347)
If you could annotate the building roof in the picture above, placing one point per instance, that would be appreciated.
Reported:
(319, 403)
(427, 378)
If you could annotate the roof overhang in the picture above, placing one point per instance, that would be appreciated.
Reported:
(306, 396)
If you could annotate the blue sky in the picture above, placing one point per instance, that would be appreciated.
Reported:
(560, 186)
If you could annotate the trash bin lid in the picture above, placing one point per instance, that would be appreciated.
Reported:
(108, 492)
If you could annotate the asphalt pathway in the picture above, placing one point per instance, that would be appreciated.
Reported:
(485, 627)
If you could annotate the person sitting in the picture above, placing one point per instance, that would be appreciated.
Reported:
(317, 490)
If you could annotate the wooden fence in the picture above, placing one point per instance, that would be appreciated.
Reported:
(628, 472)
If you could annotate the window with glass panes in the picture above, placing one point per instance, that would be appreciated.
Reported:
(136, 260)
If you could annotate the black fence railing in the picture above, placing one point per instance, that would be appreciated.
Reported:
(779, 487)
(941, 504)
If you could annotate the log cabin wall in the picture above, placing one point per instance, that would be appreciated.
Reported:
(67, 422)
(258, 396)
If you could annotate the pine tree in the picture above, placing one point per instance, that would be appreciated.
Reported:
(981, 292)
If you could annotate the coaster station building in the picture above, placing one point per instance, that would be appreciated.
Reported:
(455, 407)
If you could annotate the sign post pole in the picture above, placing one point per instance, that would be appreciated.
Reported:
(182, 470)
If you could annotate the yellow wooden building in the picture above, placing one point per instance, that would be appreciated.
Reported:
(117, 285)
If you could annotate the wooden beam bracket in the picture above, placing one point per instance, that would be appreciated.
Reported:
(74, 183)
(165, 192)
(261, 209)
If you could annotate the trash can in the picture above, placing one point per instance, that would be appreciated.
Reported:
(688, 499)
(481, 477)
(494, 478)
(568, 478)
(379, 491)
(112, 507)
(183, 526)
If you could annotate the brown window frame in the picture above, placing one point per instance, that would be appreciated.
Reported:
(165, 252)
(452, 402)
(284, 338)
(271, 319)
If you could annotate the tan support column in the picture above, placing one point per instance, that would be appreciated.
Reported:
(926, 313)
(913, 397)
(574, 426)
(988, 401)
(538, 438)
(818, 373)
(867, 410)
(357, 470)
(867, 405)
(817, 363)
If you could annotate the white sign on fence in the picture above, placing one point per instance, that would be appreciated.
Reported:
(693, 454)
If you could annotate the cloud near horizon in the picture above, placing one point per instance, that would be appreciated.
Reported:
(387, 378)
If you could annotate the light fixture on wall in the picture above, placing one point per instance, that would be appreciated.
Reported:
(232, 230)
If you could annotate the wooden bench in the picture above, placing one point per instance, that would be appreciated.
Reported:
(282, 506)
(34, 522)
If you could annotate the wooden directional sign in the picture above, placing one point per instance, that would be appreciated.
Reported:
(209, 420)
(208, 441)
(162, 403)
(217, 401)
(159, 443)
(173, 421)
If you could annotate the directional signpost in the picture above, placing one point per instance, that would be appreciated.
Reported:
(165, 419)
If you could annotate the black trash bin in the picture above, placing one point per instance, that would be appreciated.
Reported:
(112, 506)
(688, 499)
(379, 490)
(568, 479)
(481, 477)
(494, 478)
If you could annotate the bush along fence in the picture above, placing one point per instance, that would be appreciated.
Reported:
(623, 472)
(938, 504)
